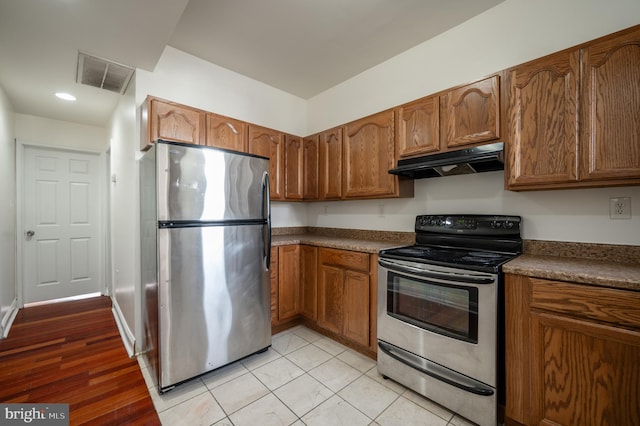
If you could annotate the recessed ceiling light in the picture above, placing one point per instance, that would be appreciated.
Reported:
(66, 96)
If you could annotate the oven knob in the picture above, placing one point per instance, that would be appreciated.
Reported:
(508, 224)
(440, 222)
(496, 225)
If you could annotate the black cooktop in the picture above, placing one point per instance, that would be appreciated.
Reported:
(471, 259)
(475, 242)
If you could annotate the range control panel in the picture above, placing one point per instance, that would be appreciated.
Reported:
(469, 224)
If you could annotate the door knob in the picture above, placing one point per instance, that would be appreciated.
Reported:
(30, 234)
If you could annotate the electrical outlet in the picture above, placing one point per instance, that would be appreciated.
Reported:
(620, 208)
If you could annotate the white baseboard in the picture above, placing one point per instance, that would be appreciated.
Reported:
(8, 318)
(127, 336)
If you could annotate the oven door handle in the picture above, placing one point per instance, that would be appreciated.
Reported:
(436, 371)
(457, 277)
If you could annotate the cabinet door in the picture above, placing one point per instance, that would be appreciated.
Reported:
(418, 128)
(330, 298)
(273, 279)
(369, 153)
(227, 133)
(175, 122)
(288, 282)
(543, 121)
(308, 281)
(611, 109)
(470, 114)
(330, 170)
(311, 162)
(356, 307)
(270, 143)
(293, 168)
(584, 373)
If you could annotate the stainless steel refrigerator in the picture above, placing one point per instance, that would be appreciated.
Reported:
(205, 253)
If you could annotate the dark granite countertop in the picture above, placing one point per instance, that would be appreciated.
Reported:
(615, 266)
(608, 265)
(345, 239)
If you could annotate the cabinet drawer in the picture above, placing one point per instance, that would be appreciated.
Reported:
(613, 306)
(345, 258)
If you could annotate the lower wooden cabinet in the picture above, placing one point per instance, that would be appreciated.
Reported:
(293, 283)
(309, 281)
(572, 353)
(344, 294)
(330, 290)
(273, 279)
(288, 282)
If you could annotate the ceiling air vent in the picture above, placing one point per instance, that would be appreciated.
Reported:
(107, 75)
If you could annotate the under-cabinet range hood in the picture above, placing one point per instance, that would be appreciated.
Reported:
(477, 159)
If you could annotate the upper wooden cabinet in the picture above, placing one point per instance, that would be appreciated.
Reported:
(311, 147)
(172, 122)
(293, 168)
(573, 117)
(225, 132)
(369, 153)
(470, 114)
(543, 120)
(418, 128)
(270, 143)
(465, 115)
(330, 164)
(610, 131)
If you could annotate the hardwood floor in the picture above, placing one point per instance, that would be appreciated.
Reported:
(71, 352)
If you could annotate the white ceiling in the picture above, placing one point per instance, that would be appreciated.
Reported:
(300, 46)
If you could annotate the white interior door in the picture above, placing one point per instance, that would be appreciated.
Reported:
(61, 219)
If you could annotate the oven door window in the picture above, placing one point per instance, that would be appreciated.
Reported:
(447, 309)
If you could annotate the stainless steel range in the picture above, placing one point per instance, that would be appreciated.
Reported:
(441, 310)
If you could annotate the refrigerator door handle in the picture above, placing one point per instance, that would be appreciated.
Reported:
(266, 213)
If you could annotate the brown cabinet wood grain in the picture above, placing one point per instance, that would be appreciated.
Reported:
(418, 128)
(610, 139)
(288, 282)
(311, 160)
(273, 280)
(227, 133)
(573, 116)
(174, 122)
(356, 307)
(572, 353)
(470, 114)
(269, 143)
(543, 121)
(344, 294)
(293, 168)
(309, 281)
(369, 153)
(330, 164)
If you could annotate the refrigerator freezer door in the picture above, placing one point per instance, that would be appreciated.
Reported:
(214, 298)
(208, 184)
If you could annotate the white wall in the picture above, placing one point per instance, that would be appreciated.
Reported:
(60, 134)
(183, 78)
(511, 33)
(124, 217)
(7, 210)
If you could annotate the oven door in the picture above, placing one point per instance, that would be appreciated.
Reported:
(447, 316)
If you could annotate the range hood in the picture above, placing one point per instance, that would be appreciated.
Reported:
(478, 159)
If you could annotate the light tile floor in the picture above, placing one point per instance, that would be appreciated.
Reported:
(303, 379)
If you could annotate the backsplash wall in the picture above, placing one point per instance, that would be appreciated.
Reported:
(578, 215)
